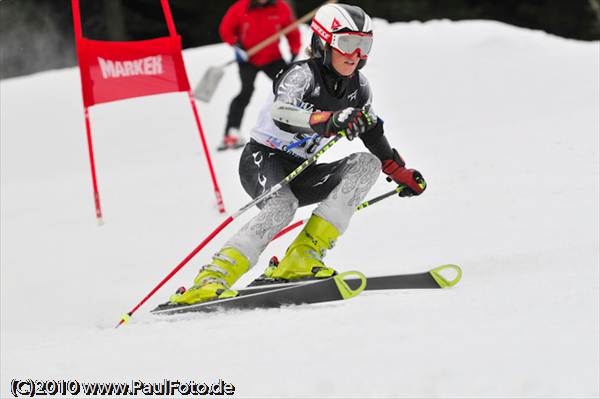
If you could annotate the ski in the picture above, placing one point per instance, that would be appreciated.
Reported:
(431, 279)
(315, 291)
(262, 293)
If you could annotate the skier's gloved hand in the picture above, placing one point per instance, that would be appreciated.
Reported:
(411, 179)
(240, 55)
(351, 122)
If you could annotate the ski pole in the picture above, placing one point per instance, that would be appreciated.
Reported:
(230, 219)
(358, 208)
(375, 200)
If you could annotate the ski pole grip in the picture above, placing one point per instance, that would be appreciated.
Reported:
(400, 188)
(442, 281)
(345, 289)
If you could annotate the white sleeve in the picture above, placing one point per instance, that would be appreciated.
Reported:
(288, 111)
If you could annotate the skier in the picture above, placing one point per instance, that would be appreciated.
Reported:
(246, 24)
(315, 99)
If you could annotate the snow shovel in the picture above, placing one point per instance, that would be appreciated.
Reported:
(205, 90)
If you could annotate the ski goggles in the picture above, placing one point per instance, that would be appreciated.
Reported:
(346, 43)
(352, 42)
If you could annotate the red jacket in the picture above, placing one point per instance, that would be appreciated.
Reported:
(248, 26)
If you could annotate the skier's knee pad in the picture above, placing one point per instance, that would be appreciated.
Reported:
(284, 198)
(275, 214)
(369, 166)
(360, 174)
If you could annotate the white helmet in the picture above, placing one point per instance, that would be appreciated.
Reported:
(346, 28)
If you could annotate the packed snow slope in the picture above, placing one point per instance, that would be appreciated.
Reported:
(502, 122)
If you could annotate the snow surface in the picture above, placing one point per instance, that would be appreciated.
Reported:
(504, 124)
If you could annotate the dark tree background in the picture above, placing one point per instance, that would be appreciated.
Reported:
(37, 35)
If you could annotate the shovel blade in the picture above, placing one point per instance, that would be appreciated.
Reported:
(205, 90)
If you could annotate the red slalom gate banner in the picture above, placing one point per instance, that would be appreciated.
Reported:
(112, 71)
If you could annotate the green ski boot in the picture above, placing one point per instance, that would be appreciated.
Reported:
(215, 279)
(304, 257)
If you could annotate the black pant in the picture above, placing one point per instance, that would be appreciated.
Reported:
(248, 74)
(262, 167)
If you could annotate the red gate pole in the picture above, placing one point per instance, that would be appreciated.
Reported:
(93, 168)
(207, 153)
(173, 32)
(78, 35)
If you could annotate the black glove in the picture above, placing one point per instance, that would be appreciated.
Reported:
(350, 122)
(412, 180)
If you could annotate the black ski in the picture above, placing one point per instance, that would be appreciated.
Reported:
(315, 291)
(428, 280)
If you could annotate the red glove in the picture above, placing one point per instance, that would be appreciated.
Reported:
(411, 179)
(351, 121)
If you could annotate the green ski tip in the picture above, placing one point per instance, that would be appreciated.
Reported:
(345, 289)
(441, 280)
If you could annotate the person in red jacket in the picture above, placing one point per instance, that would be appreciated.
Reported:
(246, 24)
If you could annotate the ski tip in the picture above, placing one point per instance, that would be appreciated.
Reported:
(345, 291)
(443, 281)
